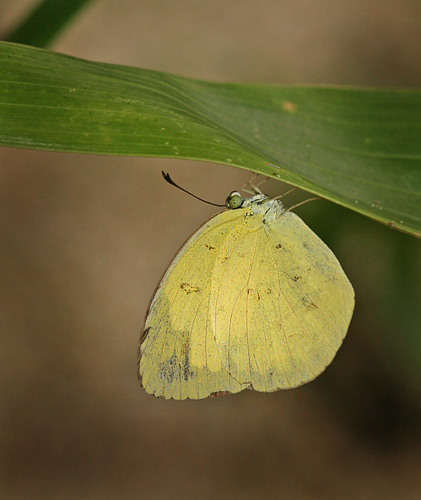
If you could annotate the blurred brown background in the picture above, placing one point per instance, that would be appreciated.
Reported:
(85, 239)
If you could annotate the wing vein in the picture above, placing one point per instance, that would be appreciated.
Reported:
(247, 305)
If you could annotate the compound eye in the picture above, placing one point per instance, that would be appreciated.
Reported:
(234, 200)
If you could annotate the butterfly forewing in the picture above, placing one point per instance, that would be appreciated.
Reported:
(178, 357)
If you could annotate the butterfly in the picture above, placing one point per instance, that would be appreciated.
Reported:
(253, 300)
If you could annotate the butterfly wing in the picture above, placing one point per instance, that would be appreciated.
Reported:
(280, 303)
(245, 304)
(178, 356)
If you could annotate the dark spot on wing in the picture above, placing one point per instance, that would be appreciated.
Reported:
(251, 291)
(278, 245)
(175, 366)
(167, 369)
(186, 287)
(296, 278)
(185, 350)
(209, 247)
(218, 393)
(308, 304)
(143, 335)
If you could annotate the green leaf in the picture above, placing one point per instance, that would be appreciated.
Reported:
(357, 147)
(45, 22)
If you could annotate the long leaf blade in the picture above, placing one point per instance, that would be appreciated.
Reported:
(358, 148)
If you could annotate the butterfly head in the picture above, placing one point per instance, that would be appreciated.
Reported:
(234, 200)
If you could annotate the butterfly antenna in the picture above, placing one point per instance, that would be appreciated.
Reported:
(170, 181)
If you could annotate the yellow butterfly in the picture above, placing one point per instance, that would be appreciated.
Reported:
(253, 300)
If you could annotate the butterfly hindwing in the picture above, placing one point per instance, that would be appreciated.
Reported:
(281, 303)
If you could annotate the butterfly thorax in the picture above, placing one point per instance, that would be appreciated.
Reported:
(259, 204)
